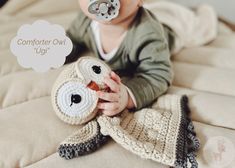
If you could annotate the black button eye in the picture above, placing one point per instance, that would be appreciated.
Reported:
(96, 69)
(75, 99)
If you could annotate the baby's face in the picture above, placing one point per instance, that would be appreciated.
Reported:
(128, 8)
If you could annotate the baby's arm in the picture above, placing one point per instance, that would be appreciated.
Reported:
(153, 74)
(152, 78)
(76, 33)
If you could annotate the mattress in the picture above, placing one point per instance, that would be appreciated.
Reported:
(31, 132)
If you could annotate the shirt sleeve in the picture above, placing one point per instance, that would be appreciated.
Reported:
(132, 96)
(153, 74)
(76, 33)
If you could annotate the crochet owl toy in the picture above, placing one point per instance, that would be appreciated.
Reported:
(162, 132)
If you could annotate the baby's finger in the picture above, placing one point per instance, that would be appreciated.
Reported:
(112, 84)
(113, 97)
(108, 106)
(115, 77)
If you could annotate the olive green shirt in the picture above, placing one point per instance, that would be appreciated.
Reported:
(142, 60)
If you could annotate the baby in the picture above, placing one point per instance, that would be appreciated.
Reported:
(133, 43)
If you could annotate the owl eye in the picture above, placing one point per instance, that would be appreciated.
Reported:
(74, 102)
(75, 99)
(92, 69)
(96, 69)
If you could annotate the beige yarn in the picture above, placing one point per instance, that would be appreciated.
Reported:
(83, 134)
(79, 72)
(163, 132)
(83, 70)
(151, 132)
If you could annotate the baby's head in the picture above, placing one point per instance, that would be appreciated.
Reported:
(110, 11)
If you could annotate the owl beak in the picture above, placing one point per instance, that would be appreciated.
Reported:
(93, 86)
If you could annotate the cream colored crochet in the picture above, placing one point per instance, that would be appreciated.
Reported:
(74, 81)
(152, 133)
(83, 141)
(162, 132)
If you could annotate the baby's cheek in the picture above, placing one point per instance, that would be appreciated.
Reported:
(129, 6)
(84, 7)
(83, 3)
(130, 2)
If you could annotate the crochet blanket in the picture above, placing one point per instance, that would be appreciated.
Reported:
(162, 132)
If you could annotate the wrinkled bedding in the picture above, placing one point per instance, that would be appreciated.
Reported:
(30, 130)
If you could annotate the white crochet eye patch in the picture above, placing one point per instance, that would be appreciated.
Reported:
(92, 69)
(76, 102)
(75, 99)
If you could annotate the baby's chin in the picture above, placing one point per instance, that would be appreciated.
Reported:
(111, 22)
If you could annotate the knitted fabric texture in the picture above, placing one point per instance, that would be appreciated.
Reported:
(162, 132)
(73, 94)
(82, 142)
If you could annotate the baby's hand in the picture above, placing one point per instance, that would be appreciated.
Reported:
(117, 99)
